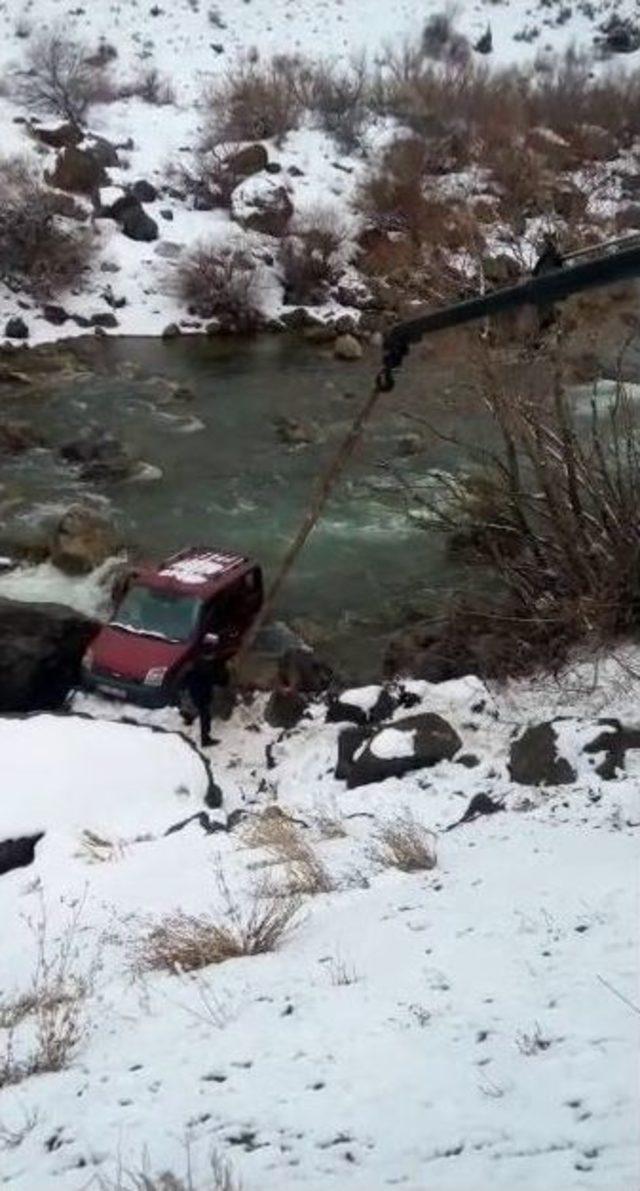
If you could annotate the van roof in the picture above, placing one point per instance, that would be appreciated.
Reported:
(198, 571)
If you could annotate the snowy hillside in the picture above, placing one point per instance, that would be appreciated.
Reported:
(131, 285)
(469, 1025)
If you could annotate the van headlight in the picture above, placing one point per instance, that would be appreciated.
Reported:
(155, 676)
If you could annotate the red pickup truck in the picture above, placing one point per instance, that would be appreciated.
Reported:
(162, 618)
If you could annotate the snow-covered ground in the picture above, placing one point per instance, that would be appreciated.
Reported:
(469, 1027)
(179, 41)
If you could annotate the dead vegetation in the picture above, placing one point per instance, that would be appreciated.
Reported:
(37, 249)
(219, 283)
(52, 1008)
(221, 1178)
(304, 873)
(60, 76)
(552, 517)
(182, 942)
(255, 101)
(310, 256)
(404, 844)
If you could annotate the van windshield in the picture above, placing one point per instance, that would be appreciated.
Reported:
(157, 613)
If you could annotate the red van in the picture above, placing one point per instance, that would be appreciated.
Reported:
(162, 617)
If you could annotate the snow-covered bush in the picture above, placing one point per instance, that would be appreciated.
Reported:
(36, 248)
(60, 77)
(220, 284)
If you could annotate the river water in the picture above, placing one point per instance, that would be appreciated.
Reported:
(227, 479)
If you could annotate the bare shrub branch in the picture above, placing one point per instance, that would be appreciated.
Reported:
(256, 101)
(60, 77)
(219, 283)
(37, 252)
(310, 256)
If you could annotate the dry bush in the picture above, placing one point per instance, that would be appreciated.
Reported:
(339, 99)
(186, 942)
(219, 283)
(560, 541)
(404, 844)
(36, 250)
(310, 257)
(151, 87)
(59, 77)
(55, 1005)
(256, 101)
(284, 841)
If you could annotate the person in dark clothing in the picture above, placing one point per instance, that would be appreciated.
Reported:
(549, 260)
(206, 673)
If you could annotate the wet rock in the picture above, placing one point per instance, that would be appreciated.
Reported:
(82, 540)
(64, 136)
(534, 759)
(17, 436)
(302, 670)
(18, 853)
(16, 328)
(100, 455)
(41, 648)
(171, 331)
(78, 171)
(261, 205)
(285, 709)
(347, 347)
(144, 191)
(292, 432)
(410, 444)
(415, 742)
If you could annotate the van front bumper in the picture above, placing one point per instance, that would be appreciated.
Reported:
(126, 690)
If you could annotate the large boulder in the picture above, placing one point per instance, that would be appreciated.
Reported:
(285, 709)
(78, 171)
(62, 136)
(16, 328)
(361, 705)
(245, 162)
(261, 205)
(301, 670)
(415, 742)
(100, 455)
(144, 191)
(41, 648)
(82, 540)
(137, 225)
(534, 759)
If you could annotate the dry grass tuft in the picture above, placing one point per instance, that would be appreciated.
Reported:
(406, 845)
(256, 101)
(187, 942)
(304, 871)
(222, 1179)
